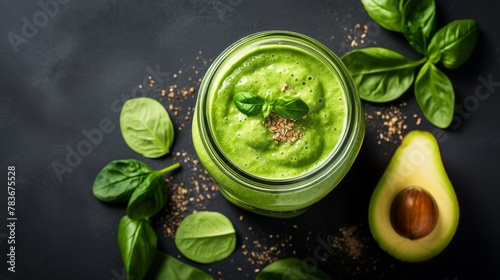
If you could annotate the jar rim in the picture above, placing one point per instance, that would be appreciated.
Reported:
(336, 157)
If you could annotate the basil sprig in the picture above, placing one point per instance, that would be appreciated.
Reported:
(383, 75)
(286, 106)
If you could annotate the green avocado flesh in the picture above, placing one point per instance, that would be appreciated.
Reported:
(417, 162)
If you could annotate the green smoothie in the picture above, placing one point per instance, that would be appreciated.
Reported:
(281, 173)
(248, 143)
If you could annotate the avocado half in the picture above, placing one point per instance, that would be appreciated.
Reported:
(416, 163)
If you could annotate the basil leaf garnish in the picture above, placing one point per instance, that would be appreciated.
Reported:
(290, 107)
(248, 103)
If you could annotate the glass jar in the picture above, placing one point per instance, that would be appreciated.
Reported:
(285, 196)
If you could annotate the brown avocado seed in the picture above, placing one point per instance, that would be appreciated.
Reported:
(414, 213)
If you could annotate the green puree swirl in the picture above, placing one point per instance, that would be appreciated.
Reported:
(247, 142)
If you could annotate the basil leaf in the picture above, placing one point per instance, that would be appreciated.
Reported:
(267, 109)
(381, 75)
(248, 103)
(146, 127)
(291, 269)
(387, 13)
(165, 266)
(206, 237)
(150, 197)
(435, 95)
(453, 44)
(137, 242)
(118, 179)
(419, 22)
(290, 107)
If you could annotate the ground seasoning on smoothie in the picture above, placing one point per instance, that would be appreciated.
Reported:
(283, 130)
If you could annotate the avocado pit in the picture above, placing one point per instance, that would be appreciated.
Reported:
(414, 213)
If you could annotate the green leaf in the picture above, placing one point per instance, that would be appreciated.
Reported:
(150, 197)
(435, 95)
(454, 43)
(387, 13)
(146, 127)
(267, 109)
(419, 22)
(165, 266)
(290, 107)
(137, 243)
(206, 237)
(291, 269)
(380, 75)
(118, 179)
(248, 103)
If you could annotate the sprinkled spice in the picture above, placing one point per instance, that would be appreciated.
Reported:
(286, 88)
(351, 252)
(169, 86)
(282, 128)
(192, 189)
(348, 242)
(188, 193)
(358, 35)
(263, 248)
(388, 123)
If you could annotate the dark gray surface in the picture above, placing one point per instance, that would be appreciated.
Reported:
(68, 76)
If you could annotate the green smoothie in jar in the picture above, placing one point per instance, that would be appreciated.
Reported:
(270, 164)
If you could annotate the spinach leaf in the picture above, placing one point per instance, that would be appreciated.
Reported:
(206, 237)
(453, 44)
(118, 179)
(419, 22)
(381, 75)
(146, 127)
(435, 95)
(248, 103)
(387, 13)
(290, 107)
(165, 266)
(291, 269)
(151, 195)
(137, 242)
